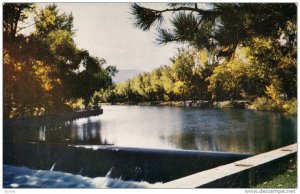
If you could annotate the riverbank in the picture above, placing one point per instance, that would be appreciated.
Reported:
(286, 107)
(59, 116)
(189, 103)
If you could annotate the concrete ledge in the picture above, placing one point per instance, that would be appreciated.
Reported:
(227, 174)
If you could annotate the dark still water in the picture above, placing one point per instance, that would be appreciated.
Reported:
(229, 130)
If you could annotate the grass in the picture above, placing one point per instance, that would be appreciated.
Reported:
(287, 179)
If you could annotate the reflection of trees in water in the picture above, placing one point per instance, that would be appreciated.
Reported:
(70, 133)
(57, 132)
(290, 129)
(88, 133)
(277, 131)
(65, 132)
(261, 132)
(206, 142)
(210, 130)
(25, 131)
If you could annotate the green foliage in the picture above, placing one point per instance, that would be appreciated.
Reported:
(265, 32)
(227, 79)
(221, 26)
(275, 63)
(13, 14)
(184, 79)
(268, 104)
(145, 17)
(190, 76)
(45, 71)
(273, 102)
(49, 20)
(252, 56)
(265, 104)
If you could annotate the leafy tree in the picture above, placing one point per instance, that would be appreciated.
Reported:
(229, 77)
(168, 79)
(49, 20)
(219, 31)
(43, 71)
(55, 31)
(90, 79)
(156, 84)
(18, 68)
(184, 79)
(13, 14)
(275, 63)
(216, 25)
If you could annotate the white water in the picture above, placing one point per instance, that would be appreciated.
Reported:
(22, 177)
(52, 168)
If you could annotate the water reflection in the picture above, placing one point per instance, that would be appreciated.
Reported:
(42, 133)
(238, 131)
(230, 130)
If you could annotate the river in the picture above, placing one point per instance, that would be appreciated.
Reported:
(164, 127)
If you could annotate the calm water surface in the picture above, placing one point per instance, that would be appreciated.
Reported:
(232, 130)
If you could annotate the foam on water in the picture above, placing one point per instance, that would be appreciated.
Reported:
(52, 168)
(22, 177)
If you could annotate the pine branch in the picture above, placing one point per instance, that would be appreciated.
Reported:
(145, 17)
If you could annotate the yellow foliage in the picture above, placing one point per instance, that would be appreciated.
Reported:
(290, 107)
(243, 55)
(179, 87)
(18, 67)
(48, 17)
(273, 93)
(6, 57)
(42, 71)
(263, 42)
(202, 57)
(75, 103)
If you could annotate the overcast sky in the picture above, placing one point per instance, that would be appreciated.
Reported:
(106, 30)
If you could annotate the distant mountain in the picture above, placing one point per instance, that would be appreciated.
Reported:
(125, 74)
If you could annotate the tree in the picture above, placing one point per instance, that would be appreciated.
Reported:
(43, 70)
(221, 26)
(49, 20)
(91, 78)
(18, 68)
(55, 32)
(268, 30)
(183, 79)
(229, 77)
(275, 63)
(13, 14)
(156, 84)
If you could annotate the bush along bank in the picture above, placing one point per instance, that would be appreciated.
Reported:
(288, 107)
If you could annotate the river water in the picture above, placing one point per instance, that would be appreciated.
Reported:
(163, 127)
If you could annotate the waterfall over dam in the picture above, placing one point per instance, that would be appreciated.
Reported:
(134, 164)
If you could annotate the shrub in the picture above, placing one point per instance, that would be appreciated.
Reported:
(265, 104)
(290, 107)
(268, 104)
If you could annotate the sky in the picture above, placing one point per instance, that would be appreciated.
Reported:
(107, 31)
